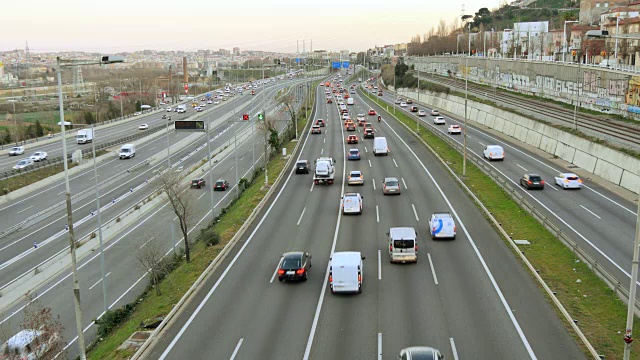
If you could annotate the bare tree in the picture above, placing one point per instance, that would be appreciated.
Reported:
(40, 337)
(151, 259)
(182, 203)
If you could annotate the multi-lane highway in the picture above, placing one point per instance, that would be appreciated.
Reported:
(597, 218)
(125, 278)
(468, 297)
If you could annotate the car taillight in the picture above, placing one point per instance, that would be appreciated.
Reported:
(330, 278)
(300, 271)
(280, 271)
(415, 248)
(542, 182)
(359, 277)
(390, 247)
(580, 180)
(566, 180)
(529, 182)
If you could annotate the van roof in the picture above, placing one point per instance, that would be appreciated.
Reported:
(345, 257)
(494, 146)
(402, 233)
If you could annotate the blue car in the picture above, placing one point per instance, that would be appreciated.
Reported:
(354, 154)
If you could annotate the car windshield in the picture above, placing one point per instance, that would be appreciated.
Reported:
(302, 163)
(291, 264)
(535, 178)
(355, 174)
(353, 152)
(15, 149)
(572, 178)
(219, 183)
(22, 162)
(403, 244)
(195, 181)
(392, 183)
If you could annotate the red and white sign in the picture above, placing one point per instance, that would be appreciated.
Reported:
(186, 88)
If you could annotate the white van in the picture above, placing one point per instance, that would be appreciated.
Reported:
(350, 101)
(403, 244)
(127, 151)
(345, 272)
(442, 226)
(493, 152)
(380, 146)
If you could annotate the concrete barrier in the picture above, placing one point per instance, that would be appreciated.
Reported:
(617, 167)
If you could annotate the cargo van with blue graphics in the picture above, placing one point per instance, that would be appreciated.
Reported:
(442, 226)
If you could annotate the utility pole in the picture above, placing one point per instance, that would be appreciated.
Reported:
(632, 289)
(466, 96)
(72, 242)
(575, 106)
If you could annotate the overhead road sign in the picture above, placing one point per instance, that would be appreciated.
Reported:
(189, 125)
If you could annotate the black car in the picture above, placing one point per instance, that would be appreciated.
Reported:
(197, 183)
(532, 181)
(368, 134)
(294, 266)
(302, 166)
(221, 185)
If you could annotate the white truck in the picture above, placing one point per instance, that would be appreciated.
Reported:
(181, 108)
(127, 151)
(350, 101)
(84, 136)
(325, 171)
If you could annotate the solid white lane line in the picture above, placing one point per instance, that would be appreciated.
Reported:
(377, 214)
(235, 351)
(433, 270)
(98, 282)
(521, 167)
(394, 161)
(301, 214)
(415, 212)
(404, 183)
(374, 183)
(379, 265)
(25, 209)
(483, 263)
(145, 243)
(369, 163)
(591, 212)
(379, 346)
(453, 349)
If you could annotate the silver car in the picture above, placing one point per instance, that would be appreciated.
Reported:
(391, 185)
(356, 178)
(24, 163)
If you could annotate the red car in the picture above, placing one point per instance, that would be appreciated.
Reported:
(320, 122)
(372, 112)
(352, 139)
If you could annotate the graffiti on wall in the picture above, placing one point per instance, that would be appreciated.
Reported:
(633, 93)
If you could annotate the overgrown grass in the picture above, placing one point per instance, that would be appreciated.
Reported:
(176, 283)
(600, 313)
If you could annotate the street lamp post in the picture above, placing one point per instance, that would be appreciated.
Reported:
(466, 96)
(72, 242)
(564, 39)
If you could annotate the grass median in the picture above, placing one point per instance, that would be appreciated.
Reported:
(601, 315)
(177, 282)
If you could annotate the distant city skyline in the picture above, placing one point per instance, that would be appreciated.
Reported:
(125, 26)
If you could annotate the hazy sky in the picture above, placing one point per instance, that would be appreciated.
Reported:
(119, 25)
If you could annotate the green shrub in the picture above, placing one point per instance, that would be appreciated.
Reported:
(112, 318)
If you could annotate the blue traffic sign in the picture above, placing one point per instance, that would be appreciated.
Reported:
(345, 64)
(297, 60)
(335, 65)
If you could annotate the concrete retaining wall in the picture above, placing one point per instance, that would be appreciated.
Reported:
(614, 166)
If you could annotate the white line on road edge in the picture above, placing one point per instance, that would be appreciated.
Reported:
(394, 161)
(404, 183)
(518, 165)
(25, 209)
(369, 163)
(592, 213)
(301, 214)
(98, 282)
(379, 265)
(453, 349)
(379, 346)
(415, 212)
(377, 214)
(374, 183)
(235, 351)
(433, 270)
(233, 261)
(275, 271)
(485, 267)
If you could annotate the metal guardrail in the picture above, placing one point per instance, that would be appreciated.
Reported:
(619, 288)
(58, 160)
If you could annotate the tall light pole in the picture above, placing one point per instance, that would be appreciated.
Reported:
(72, 242)
(466, 96)
(564, 39)
(615, 53)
